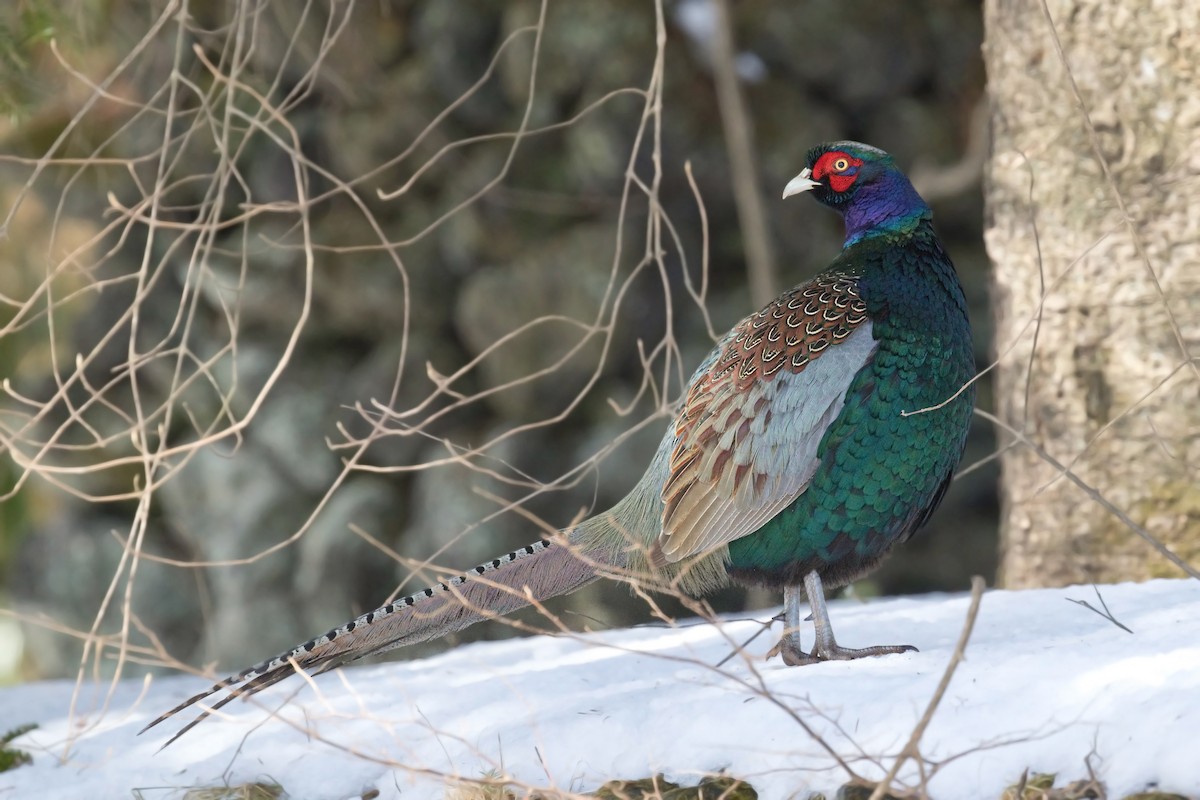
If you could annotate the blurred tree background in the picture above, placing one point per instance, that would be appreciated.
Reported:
(1096, 146)
(297, 299)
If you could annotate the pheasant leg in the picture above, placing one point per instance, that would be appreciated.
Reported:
(789, 647)
(826, 647)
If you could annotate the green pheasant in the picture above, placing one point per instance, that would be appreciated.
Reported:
(819, 433)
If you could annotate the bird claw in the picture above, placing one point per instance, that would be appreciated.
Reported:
(839, 653)
(794, 656)
(791, 653)
(825, 648)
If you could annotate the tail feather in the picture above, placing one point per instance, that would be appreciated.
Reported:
(544, 569)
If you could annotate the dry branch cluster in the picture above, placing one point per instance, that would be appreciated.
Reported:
(285, 274)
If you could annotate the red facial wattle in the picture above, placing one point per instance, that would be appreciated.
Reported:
(841, 168)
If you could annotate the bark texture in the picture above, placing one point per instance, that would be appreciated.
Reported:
(1105, 381)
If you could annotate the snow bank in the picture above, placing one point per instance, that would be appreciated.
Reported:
(1045, 683)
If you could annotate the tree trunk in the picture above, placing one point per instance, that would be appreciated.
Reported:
(1103, 379)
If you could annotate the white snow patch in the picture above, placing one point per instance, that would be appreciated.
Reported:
(1045, 682)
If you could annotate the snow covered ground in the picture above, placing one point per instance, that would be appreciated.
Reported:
(1045, 683)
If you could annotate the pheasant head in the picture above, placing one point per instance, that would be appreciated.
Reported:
(864, 185)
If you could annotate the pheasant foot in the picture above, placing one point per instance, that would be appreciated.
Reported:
(826, 647)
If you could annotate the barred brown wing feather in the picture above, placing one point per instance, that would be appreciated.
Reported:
(748, 431)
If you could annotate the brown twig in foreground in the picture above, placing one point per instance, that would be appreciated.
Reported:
(911, 748)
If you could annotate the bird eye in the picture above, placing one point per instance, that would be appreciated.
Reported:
(841, 164)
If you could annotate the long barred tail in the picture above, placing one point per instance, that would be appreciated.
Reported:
(544, 569)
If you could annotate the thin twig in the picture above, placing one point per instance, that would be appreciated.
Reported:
(911, 749)
(741, 648)
(1108, 615)
(1091, 492)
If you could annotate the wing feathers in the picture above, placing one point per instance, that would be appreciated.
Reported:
(747, 435)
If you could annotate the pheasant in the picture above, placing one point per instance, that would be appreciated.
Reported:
(819, 433)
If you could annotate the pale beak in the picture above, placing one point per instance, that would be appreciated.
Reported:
(800, 183)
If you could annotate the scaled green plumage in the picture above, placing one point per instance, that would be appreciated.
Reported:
(870, 493)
